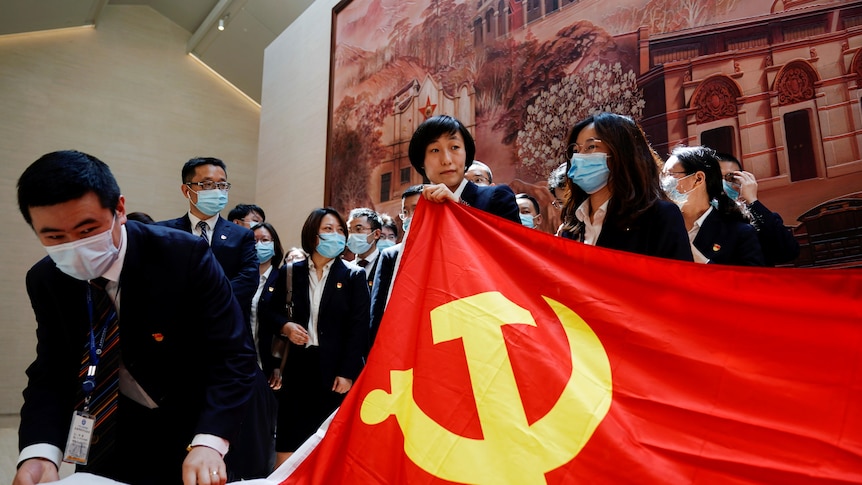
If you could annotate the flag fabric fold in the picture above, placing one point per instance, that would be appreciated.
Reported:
(507, 355)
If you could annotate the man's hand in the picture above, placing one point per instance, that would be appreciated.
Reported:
(275, 380)
(204, 466)
(342, 385)
(36, 470)
(747, 186)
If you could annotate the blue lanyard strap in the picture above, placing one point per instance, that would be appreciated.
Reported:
(95, 352)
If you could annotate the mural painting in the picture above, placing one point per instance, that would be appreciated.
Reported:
(774, 83)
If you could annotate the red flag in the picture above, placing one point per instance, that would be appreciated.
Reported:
(507, 355)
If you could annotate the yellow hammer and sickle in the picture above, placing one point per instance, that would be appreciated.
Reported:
(511, 450)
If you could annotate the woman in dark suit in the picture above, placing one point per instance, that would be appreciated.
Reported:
(442, 150)
(616, 198)
(718, 230)
(328, 331)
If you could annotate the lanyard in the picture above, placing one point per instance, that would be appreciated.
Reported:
(95, 352)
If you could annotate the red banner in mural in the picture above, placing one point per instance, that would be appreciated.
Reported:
(510, 356)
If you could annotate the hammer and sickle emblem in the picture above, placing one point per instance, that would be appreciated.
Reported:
(511, 450)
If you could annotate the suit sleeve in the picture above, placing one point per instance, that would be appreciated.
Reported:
(504, 205)
(245, 282)
(777, 241)
(49, 397)
(231, 361)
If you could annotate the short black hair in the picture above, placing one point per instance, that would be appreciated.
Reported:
(141, 217)
(62, 176)
(191, 165)
(532, 200)
(412, 190)
(432, 129)
(310, 228)
(370, 214)
(727, 157)
(241, 210)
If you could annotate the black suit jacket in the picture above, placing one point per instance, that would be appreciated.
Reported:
(660, 231)
(182, 338)
(233, 247)
(728, 242)
(343, 319)
(380, 288)
(495, 199)
(778, 243)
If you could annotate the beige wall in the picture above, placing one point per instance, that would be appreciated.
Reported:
(127, 93)
(293, 120)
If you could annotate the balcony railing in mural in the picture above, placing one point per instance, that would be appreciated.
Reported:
(830, 235)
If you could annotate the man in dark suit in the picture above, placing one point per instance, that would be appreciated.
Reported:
(183, 364)
(206, 187)
(776, 240)
(364, 226)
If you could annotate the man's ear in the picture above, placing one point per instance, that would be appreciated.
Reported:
(537, 220)
(120, 210)
(376, 233)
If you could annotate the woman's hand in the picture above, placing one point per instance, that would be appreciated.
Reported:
(295, 333)
(342, 385)
(438, 193)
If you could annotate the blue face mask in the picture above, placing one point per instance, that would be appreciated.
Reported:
(406, 224)
(589, 171)
(358, 243)
(331, 244)
(729, 190)
(527, 220)
(265, 250)
(211, 202)
(384, 244)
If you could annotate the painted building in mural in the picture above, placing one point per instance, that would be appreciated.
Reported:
(780, 91)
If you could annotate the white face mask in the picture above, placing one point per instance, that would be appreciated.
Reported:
(86, 258)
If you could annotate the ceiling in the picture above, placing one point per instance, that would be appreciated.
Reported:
(236, 53)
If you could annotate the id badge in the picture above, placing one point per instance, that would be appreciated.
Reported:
(80, 435)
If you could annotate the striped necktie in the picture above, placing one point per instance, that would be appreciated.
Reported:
(105, 391)
(203, 227)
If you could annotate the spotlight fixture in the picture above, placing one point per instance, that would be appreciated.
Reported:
(221, 24)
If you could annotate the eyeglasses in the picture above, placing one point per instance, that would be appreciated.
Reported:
(405, 214)
(479, 180)
(557, 204)
(588, 147)
(731, 177)
(209, 185)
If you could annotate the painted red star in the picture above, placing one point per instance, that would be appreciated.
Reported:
(428, 109)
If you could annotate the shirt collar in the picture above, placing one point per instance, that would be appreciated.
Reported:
(460, 189)
(211, 222)
(699, 222)
(583, 210)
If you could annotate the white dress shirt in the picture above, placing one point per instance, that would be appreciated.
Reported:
(315, 294)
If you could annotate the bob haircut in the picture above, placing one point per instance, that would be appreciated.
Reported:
(432, 129)
(634, 167)
(312, 227)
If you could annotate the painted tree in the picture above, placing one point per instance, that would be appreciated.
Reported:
(598, 87)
